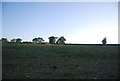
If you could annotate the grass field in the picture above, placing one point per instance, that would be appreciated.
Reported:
(35, 61)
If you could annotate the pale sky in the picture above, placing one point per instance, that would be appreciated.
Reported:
(78, 22)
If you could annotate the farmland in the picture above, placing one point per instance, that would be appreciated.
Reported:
(35, 61)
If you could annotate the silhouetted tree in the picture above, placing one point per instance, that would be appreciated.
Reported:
(52, 39)
(13, 40)
(35, 40)
(38, 40)
(61, 40)
(4, 40)
(18, 40)
(104, 41)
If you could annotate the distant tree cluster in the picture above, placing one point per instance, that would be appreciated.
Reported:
(4, 40)
(18, 40)
(39, 40)
(52, 40)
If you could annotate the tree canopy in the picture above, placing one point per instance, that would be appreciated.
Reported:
(18, 40)
(61, 40)
(13, 40)
(4, 40)
(38, 40)
(52, 39)
(104, 41)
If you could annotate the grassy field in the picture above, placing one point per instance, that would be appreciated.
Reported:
(35, 61)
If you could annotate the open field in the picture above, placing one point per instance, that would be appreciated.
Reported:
(34, 61)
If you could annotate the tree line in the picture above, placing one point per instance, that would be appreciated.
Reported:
(38, 40)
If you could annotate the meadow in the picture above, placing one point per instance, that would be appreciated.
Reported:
(35, 61)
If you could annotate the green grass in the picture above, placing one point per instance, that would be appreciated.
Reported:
(35, 61)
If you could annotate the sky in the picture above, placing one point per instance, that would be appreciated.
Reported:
(78, 22)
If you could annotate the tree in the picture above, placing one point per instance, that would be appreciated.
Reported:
(13, 40)
(35, 40)
(104, 41)
(38, 40)
(18, 40)
(61, 40)
(4, 40)
(52, 39)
